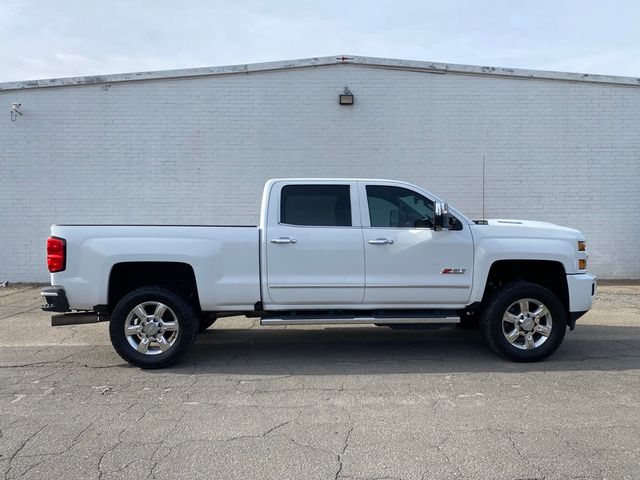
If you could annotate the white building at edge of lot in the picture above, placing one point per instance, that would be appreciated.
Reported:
(195, 146)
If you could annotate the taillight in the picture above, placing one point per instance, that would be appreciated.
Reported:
(56, 254)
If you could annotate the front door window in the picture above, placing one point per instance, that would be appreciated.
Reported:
(397, 207)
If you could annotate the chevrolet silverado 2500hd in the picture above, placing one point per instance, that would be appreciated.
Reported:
(327, 251)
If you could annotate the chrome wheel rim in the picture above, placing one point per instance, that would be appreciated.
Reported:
(151, 328)
(527, 323)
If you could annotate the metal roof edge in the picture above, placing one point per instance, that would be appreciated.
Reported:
(372, 62)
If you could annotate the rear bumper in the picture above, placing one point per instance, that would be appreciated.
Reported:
(582, 289)
(56, 300)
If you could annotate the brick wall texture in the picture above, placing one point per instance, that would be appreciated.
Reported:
(198, 150)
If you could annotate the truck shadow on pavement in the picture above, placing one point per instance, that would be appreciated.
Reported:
(378, 350)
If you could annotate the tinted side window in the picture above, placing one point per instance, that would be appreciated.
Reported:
(398, 207)
(316, 205)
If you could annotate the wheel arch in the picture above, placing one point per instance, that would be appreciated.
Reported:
(125, 277)
(546, 273)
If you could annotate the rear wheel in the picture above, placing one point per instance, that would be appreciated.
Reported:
(524, 322)
(152, 327)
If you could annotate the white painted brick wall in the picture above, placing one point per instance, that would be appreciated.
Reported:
(199, 150)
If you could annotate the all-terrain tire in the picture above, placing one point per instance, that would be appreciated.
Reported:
(505, 303)
(179, 312)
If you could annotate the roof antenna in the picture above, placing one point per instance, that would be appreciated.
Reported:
(483, 175)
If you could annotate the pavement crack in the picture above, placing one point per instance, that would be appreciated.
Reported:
(19, 313)
(75, 440)
(440, 448)
(260, 379)
(520, 454)
(153, 467)
(24, 444)
(152, 473)
(37, 364)
(101, 472)
(345, 446)
(20, 448)
(144, 414)
(262, 435)
(276, 427)
(30, 467)
(583, 455)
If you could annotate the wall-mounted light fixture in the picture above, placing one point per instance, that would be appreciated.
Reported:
(346, 98)
(15, 111)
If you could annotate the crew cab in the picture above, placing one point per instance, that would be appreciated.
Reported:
(326, 251)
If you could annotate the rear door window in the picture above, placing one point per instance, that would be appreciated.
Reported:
(316, 205)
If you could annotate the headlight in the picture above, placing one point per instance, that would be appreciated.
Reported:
(582, 246)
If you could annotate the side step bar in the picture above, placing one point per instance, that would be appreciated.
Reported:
(359, 320)
(76, 318)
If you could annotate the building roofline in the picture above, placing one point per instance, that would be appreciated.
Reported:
(371, 62)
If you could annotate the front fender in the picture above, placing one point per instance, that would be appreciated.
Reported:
(490, 250)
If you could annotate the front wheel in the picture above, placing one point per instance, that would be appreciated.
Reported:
(152, 327)
(524, 322)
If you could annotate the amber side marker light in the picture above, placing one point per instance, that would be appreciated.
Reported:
(582, 264)
(582, 246)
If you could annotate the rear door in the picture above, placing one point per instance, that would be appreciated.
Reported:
(314, 247)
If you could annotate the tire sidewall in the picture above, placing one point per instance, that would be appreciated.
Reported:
(185, 316)
(492, 321)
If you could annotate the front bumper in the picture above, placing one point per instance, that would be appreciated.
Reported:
(56, 299)
(582, 289)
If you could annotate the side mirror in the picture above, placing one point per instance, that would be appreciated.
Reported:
(441, 214)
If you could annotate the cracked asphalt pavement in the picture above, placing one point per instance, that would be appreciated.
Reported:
(253, 402)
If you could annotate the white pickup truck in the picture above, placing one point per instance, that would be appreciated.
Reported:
(327, 251)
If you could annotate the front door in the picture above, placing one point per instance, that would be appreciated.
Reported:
(314, 249)
(407, 262)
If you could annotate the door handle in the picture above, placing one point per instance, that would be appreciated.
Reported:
(381, 241)
(283, 240)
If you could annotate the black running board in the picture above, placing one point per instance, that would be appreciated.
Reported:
(76, 318)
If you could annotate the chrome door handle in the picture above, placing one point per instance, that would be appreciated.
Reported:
(381, 241)
(283, 240)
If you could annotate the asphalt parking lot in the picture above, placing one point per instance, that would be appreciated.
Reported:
(320, 403)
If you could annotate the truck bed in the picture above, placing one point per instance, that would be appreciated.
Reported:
(224, 259)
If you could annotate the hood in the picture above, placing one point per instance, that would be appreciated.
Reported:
(530, 228)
